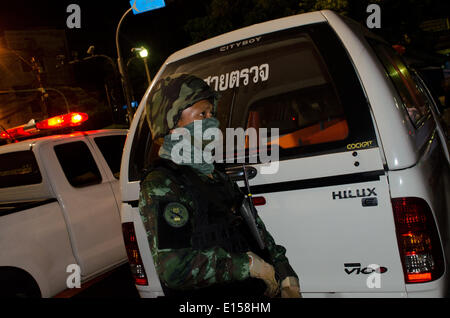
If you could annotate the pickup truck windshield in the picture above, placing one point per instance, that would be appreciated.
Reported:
(18, 169)
(281, 84)
(299, 81)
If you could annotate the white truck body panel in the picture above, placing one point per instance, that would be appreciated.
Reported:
(87, 204)
(36, 241)
(321, 234)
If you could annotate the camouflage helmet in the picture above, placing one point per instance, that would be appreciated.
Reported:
(170, 96)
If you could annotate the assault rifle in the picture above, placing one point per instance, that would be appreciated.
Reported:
(248, 212)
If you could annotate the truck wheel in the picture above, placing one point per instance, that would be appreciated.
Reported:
(16, 283)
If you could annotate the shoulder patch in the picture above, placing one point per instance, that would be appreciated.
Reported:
(176, 214)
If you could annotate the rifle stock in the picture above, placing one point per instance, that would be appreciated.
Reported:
(248, 212)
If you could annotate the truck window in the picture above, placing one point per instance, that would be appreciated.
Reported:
(19, 169)
(111, 148)
(413, 98)
(78, 164)
(306, 116)
(299, 80)
(140, 150)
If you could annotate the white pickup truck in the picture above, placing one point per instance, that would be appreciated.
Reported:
(59, 205)
(361, 198)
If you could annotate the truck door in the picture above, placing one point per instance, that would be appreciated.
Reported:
(89, 205)
(110, 153)
(326, 195)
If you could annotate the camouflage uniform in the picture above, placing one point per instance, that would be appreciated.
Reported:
(171, 96)
(170, 209)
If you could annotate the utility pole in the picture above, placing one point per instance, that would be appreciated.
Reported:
(149, 79)
(113, 65)
(37, 69)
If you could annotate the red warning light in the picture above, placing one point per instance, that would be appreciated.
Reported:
(62, 121)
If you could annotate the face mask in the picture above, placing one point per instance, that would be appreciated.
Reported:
(189, 146)
(197, 130)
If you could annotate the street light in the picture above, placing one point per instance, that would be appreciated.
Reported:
(143, 53)
(122, 70)
(137, 8)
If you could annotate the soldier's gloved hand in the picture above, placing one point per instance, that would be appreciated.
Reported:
(262, 270)
(290, 288)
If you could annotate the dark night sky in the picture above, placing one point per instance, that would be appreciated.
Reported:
(160, 30)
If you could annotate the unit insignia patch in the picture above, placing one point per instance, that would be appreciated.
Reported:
(176, 214)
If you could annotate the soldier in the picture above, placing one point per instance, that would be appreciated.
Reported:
(199, 242)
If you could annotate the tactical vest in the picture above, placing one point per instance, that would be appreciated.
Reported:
(217, 220)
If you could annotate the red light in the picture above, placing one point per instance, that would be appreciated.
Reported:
(77, 118)
(399, 48)
(258, 201)
(419, 278)
(16, 132)
(56, 121)
(134, 256)
(140, 281)
(418, 240)
(63, 121)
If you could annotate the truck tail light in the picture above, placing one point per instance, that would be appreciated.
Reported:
(418, 240)
(258, 201)
(134, 256)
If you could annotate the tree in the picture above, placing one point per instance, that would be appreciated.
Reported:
(227, 15)
(398, 18)
(340, 6)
